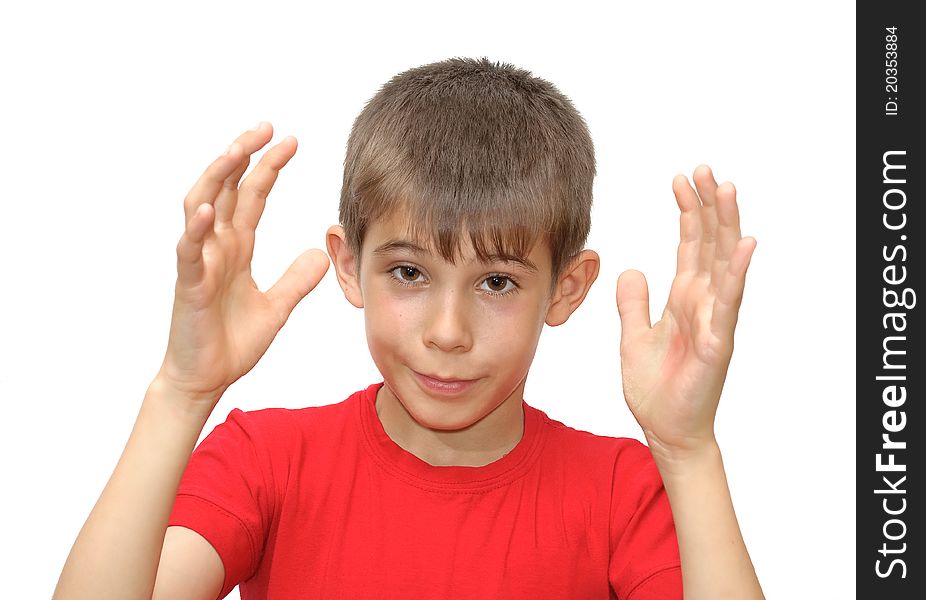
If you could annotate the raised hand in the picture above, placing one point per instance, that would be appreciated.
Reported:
(221, 323)
(673, 371)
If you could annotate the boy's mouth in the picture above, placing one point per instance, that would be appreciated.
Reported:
(443, 385)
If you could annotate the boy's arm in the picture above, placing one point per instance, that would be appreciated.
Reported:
(673, 373)
(220, 327)
(118, 551)
(715, 563)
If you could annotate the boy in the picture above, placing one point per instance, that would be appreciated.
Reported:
(464, 212)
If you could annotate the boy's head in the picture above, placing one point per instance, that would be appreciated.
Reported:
(466, 145)
(464, 210)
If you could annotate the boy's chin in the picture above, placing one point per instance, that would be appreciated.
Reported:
(450, 412)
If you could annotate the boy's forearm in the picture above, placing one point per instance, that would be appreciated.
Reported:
(715, 563)
(117, 552)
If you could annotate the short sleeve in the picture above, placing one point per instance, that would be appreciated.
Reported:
(226, 495)
(644, 561)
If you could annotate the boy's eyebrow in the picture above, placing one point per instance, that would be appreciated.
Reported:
(394, 245)
(521, 260)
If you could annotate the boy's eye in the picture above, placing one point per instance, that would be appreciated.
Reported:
(406, 273)
(499, 284)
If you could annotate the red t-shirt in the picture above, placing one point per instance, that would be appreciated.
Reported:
(321, 503)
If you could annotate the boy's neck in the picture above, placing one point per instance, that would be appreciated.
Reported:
(480, 444)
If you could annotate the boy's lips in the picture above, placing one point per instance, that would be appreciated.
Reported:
(443, 385)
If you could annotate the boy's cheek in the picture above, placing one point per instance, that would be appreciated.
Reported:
(390, 324)
(391, 310)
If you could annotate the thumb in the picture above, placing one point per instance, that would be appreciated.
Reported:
(633, 304)
(300, 278)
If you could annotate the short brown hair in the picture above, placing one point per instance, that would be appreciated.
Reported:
(465, 143)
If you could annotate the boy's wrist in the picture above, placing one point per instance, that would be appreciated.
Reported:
(674, 461)
(182, 405)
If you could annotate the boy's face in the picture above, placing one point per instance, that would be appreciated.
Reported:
(471, 322)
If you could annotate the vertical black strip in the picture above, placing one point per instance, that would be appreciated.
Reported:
(890, 270)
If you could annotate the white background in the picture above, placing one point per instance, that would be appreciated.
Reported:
(112, 110)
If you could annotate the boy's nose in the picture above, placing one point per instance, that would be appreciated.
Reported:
(448, 323)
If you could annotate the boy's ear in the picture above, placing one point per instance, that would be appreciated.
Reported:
(346, 266)
(572, 287)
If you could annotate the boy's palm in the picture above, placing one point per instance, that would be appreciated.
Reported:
(222, 324)
(673, 371)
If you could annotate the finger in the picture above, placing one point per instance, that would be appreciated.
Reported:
(633, 305)
(190, 266)
(252, 195)
(689, 225)
(730, 293)
(251, 141)
(300, 279)
(728, 215)
(707, 190)
(210, 182)
(728, 230)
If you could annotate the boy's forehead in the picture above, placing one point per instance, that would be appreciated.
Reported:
(395, 233)
(395, 225)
